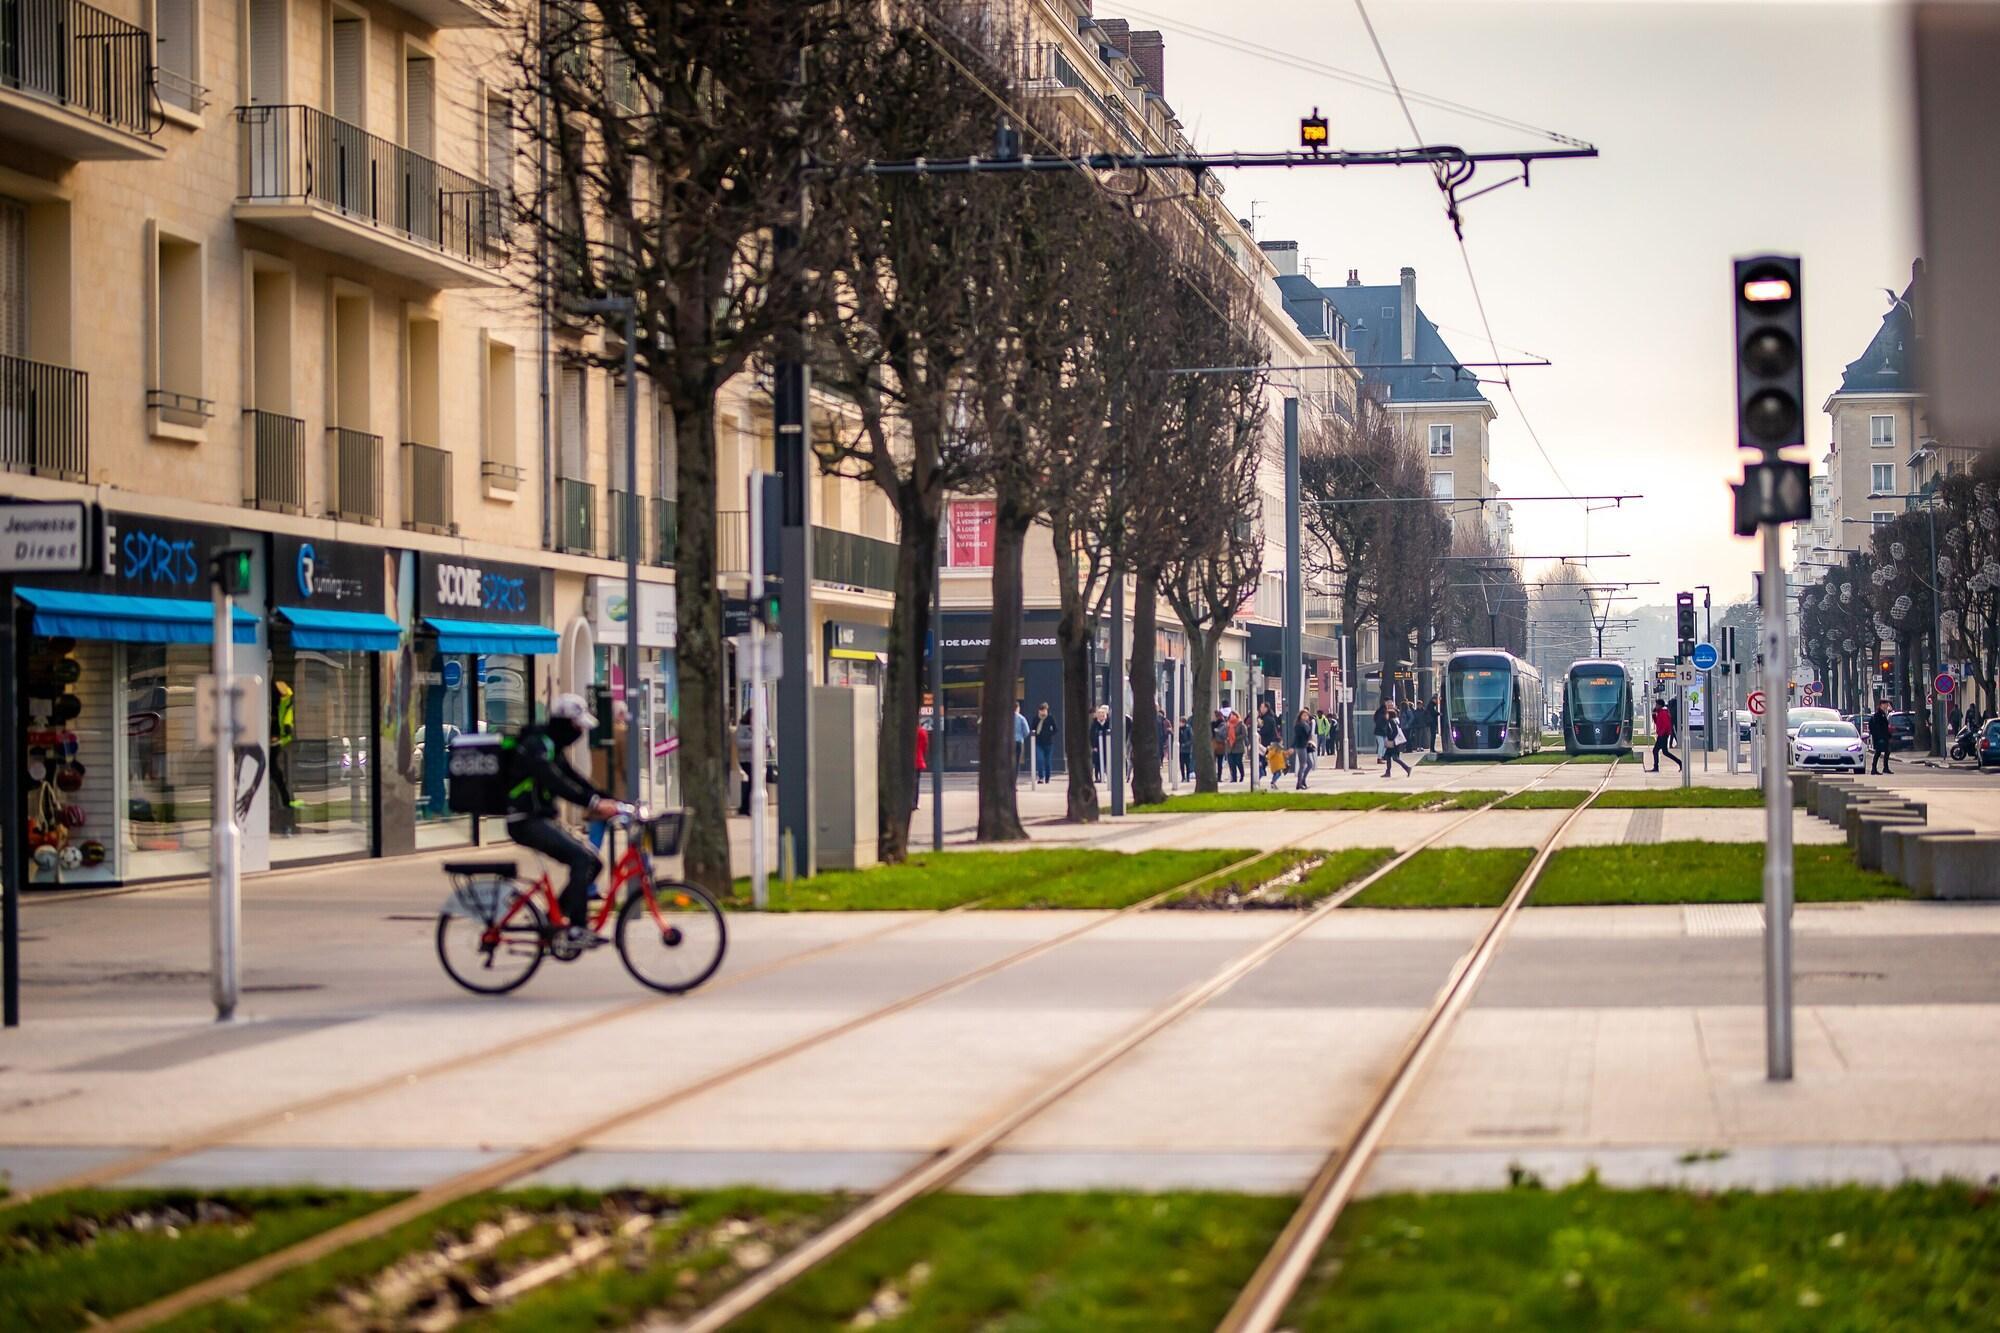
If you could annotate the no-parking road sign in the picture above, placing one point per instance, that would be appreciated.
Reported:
(1756, 702)
(1944, 683)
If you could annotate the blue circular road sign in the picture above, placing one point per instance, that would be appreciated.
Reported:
(1705, 657)
(1944, 683)
(454, 673)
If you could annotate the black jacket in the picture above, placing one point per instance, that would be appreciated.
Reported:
(1878, 730)
(1043, 731)
(541, 774)
(1267, 729)
(1302, 735)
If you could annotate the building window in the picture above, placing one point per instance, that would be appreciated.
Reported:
(177, 53)
(178, 388)
(502, 465)
(420, 104)
(1883, 517)
(1882, 479)
(1440, 441)
(571, 458)
(1882, 432)
(1441, 486)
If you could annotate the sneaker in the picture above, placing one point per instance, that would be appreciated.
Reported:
(582, 937)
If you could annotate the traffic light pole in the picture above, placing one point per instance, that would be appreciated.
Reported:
(225, 902)
(1777, 821)
(759, 872)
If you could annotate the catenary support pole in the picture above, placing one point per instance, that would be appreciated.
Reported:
(1295, 602)
(632, 502)
(225, 908)
(1114, 766)
(1777, 820)
(937, 746)
(757, 797)
(789, 396)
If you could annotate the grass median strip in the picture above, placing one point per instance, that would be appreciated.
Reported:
(74, 1259)
(1559, 756)
(1167, 1261)
(928, 881)
(1287, 880)
(1432, 801)
(1236, 802)
(1673, 798)
(1556, 798)
(1912, 1257)
(1115, 879)
(1700, 872)
(1449, 877)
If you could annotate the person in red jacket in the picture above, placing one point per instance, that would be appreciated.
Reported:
(923, 763)
(1663, 735)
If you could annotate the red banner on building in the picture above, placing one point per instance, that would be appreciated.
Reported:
(972, 534)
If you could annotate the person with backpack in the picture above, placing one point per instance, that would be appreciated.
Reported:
(541, 776)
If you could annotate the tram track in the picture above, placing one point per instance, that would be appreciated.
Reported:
(936, 1172)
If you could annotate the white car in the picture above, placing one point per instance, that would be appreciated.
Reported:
(1827, 745)
(1798, 717)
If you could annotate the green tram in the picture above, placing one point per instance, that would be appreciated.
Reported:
(1492, 706)
(1597, 708)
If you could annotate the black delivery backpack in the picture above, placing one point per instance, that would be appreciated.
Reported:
(478, 772)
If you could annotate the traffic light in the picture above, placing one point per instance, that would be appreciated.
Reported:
(1885, 666)
(1770, 359)
(1684, 622)
(766, 609)
(229, 571)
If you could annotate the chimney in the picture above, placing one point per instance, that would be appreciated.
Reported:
(1149, 52)
(1285, 254)
(1354, 277)
(1408, 318)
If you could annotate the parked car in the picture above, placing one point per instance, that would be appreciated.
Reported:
(1902, 731)
(1828, 745)
(1745, 720)
(1797, 717)
(1988, 749)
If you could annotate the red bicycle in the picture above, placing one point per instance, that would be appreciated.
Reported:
(495, 928)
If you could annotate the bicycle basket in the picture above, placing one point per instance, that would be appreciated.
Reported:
(482, 896)
(663, 833)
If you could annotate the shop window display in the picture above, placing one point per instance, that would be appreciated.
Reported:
(169, 776)
(321, 742)
(446, 710)
(70, 776)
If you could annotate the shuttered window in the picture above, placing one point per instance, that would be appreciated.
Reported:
(614, 443)
(499, 143)
(666, 451)
(572, 459)
(419, 105)
(267, 51)
(174, 52)
(348, 49)
(13, 279)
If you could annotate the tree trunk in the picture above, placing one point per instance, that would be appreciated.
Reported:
(704, 708)
(1202, 650)
(1148, 788)
(1073, 641)
(903, 681)
(999, 814)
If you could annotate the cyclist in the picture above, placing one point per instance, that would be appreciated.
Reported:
(540, 776)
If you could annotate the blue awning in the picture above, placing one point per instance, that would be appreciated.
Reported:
(490, 636)
(105, 615)
(353, 631)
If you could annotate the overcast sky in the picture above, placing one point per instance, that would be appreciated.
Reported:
(1725, 129)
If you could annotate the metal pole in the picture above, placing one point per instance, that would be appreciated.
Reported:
(1937, 643)
(755, 798)
(225, 908)
(1684, 681)
(789, 398)
(1114, 768)
(937, 746)
(13, 802)
(632, 738)
(1292, 698)
(1777, 827)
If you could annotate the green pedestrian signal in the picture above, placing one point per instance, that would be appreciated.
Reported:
(229, 571)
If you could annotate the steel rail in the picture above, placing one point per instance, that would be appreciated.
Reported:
(1262, 1303)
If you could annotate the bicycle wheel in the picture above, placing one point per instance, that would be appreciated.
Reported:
(671, 936)
(493, 956)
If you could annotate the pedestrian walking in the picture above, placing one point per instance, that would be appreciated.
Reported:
(923, 764)
(745, 760)
(1267, 737)
(1431, 724)
(1394, 738)
(1879, 737)
(1380, 717)
(1663, 734)
(1234, 737)
(1302, 746)
(1044, 733)
(1161, 731)
(1333, 738)
(1020, 742)
(1100, 741)
(1187, 754)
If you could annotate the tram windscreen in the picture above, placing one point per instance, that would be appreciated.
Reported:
(1481, 693)
(1596, 697)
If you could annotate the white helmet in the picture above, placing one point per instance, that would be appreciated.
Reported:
(573, 708)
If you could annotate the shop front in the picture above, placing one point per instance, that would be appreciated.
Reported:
(479, 626)
(659, 683)
(118, 788)
(328, 624)
(855, 653)
(966, 637)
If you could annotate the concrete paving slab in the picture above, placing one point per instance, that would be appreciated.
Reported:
(1784, 1166)
(1021, 1172)
(1505, 828)
(814, 1172)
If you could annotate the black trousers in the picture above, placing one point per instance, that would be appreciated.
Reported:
(559, 844)
(1879, 761)
(1660, 747)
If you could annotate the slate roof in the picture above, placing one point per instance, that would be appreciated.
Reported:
(1889, 364)
(1376, 337)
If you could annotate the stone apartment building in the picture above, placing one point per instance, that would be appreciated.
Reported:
(256, 291)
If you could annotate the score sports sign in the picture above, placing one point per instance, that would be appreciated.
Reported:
(463, 588)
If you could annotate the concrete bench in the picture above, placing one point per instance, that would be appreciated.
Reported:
(1867, 840)
(1966, 867)
(1851, 817)
(1831, 798)
(1920, 860)
(1899, 841)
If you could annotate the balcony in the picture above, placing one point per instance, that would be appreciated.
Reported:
(615, 505)
(732, 541)
(853, 561)
(44, 419)
(76, 82)
(274, 462)
(333, 185)
(354, 475)
(576, 517)
(427, 489)
(456, 13)
(666, 530)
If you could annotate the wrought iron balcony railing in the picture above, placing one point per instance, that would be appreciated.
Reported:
(79, 58)
(666, 530)
(855, 561)
(275, 472)
(615, 509)
(354, 472)
(576, 519)
(44, 419)
(427, 488)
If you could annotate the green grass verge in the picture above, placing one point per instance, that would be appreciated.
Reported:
(74, 1259)
(1442, 800)
(1701, 872)
(1545, 798)
(1558, 756)
(692, 1238)
(1673, 798)
(1115, 879)
(928, 881)
(1232, 802)
(1449, 877)
(1228, 890)
(1038, 1262)
(1588, 1258)
(1340, 869)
